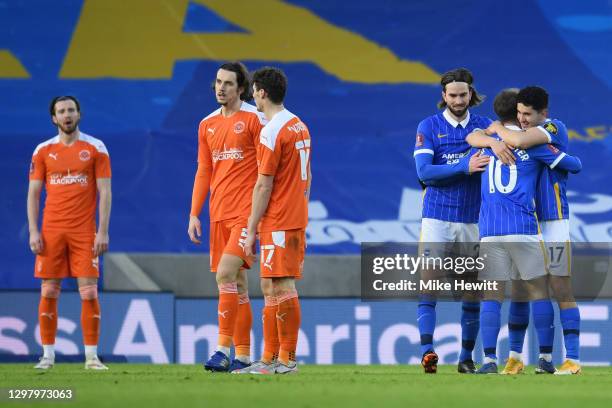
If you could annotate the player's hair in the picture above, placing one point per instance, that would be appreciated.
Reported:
(533, 96)
(460, 75)
(242, 78)
(504, 105)
(57, 99)
(273, 81)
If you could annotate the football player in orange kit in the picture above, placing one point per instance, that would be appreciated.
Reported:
(280, 215)
(227, 167)
(75, 169)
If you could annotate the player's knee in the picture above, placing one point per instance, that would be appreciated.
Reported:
(267, 288)
(539, 288)
(283, 286)
(222, 276)
(50, 289)
(562, 289)
(88, 292)
(242, 285)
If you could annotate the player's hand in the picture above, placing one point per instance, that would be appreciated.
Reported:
(503, 153)
(478, 163)
(36, 243)
(249, 245)
(195, 229)
(493, 127)
(100, 244)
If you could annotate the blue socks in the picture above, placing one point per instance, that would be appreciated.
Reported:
(543, 320)
(570, 321)
(470, 324)
(518, 320)
(427, 323)
(490, 322)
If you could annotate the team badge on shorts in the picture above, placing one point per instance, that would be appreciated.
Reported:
(84, 155)
(239, 127)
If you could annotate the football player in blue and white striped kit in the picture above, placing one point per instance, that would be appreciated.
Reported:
(510, 240)
(553, 213)
(446, 164)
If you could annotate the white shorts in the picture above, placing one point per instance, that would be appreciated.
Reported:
(513, 257)
(556, 234)
(435, 234)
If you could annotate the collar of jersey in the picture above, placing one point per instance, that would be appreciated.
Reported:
(453, 122)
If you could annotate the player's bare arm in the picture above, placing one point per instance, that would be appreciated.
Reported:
(502, 151)
(104, 208)
(34, 189)
(518, 138)
(261, 198)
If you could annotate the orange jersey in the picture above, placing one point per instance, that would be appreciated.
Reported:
(284, 152)
(227, 161)
(70, 174)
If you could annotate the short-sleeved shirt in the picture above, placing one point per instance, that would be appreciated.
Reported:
(444, 138)
(551, 194)
(227, 147)
(508, 192)
(69, 174)
(284, 152)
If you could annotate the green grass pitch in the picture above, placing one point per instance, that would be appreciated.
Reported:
(177, 386)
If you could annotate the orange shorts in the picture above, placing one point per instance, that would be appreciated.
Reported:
(227, 237)
(282, 253)
(66, 254)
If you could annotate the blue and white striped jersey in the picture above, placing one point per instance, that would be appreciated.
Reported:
(508, 192)
(443, 138)
(551, 194)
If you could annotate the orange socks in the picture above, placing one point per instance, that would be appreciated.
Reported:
(227, 313)
(47, 317)
(47, 311)
(270, 330)
(288, 318)
(90, 314)
(242, 330)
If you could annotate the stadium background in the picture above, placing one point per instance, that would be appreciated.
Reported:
(361, 77)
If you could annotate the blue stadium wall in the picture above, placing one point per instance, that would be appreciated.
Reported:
(361, 76)
(157, 328)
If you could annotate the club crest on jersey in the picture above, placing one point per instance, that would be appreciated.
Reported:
(553, 149)
(420, 139)
(84, 155)
(551, 128)
(239, 127)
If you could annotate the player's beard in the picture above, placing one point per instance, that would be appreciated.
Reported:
(71, 128)
(458, 113)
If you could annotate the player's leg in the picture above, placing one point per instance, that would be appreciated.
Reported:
(227, 311)
(270, 328)
(468, 240)
(569, 315)
(51, 266)
(497, 268)
(530, 256)
(557, 237)
(84, 267)
(288, 319)
(47, 319)
(268, 361)
(435, 234)
(518, 321)
(90, 322)
(490, 324)
(244, 322)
